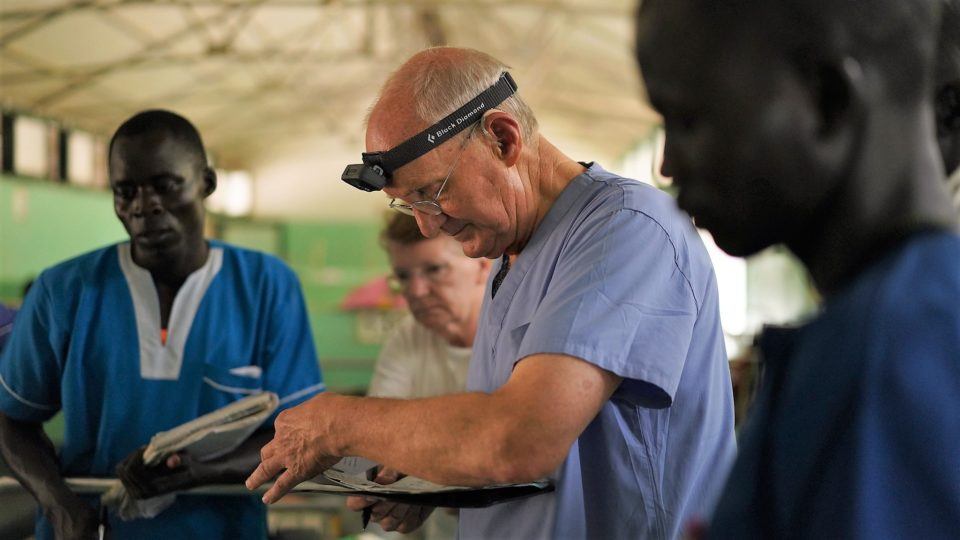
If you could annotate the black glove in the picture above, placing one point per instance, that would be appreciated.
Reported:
(143, 481)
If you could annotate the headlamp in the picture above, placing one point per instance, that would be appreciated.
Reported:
(367, 176)
(378, 167)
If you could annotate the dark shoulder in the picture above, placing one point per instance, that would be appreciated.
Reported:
(920, 281)
(905, 306)
(912, 342)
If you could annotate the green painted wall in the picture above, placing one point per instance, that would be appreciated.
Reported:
(42, 223)
(261, 236)
(331, 260)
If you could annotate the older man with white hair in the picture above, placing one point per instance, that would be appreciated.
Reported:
(599, 358)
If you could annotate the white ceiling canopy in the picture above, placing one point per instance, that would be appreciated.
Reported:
(255, 75)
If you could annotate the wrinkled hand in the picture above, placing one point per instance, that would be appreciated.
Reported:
(76, 523)
(298, 449)
(176, 473)
(391, 516)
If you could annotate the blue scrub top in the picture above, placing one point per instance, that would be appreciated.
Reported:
(87, 342)
(856, 430)
(616, 275)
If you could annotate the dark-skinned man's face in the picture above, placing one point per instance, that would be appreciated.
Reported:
(159, 184)
(738, 127)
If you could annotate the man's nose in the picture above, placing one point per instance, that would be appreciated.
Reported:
(429, 225)
(417, 286)
(146, 201)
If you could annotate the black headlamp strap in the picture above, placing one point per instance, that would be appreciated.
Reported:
(450, 125)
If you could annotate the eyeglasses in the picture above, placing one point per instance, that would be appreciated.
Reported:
(434, 273)
(432, 207)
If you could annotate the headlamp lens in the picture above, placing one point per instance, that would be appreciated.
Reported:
(365, 177)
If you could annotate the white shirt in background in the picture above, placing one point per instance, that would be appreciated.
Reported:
(416, 363)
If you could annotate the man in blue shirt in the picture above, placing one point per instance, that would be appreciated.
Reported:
(809, 123)
(599, 358)
(142, 336)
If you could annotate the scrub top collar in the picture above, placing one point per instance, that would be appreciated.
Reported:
(555, 215)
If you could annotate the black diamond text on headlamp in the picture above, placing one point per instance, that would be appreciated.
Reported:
(377, 167)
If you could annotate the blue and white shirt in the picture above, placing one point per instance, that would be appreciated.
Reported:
(617, 276)
(87, 342)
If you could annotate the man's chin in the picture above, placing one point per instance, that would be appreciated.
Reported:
(738, 245)
(475, 248)
(471, 249)
(154, 256)
(434, 320)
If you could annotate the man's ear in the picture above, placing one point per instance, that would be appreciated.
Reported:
(836, 91)
(505, 132)
(947, 106)
(209, 181)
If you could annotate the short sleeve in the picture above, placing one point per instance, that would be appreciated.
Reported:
(291, 370)
(31, 363)
(394, 374)
(618, 299)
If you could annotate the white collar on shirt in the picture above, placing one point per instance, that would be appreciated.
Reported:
(161, 361)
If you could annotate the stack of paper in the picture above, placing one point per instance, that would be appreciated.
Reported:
(209, 436)
(213, 434)
(348, 477)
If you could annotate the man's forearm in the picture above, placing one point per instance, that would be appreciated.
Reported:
(520, 432)
(32, 459)
(461, 439)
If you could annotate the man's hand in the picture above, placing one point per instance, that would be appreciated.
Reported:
(298, 450)
(391, 516)
(76, 522)
(183, 471)
(31, 457)
(178, 472)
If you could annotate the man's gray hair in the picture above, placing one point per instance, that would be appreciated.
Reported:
(446, 83)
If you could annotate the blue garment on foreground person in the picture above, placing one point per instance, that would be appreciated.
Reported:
(87, 342)
(617, 276)
(869, 451)
(7, 315)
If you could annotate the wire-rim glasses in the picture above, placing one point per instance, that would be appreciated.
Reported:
(432, 207)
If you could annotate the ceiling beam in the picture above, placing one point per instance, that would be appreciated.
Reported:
(38, 18)
(132, 61)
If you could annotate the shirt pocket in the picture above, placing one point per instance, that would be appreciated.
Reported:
(223, 385)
